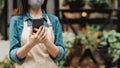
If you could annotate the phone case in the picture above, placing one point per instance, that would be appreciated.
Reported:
(37, 23)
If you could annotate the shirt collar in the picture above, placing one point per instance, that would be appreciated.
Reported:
(27, 16)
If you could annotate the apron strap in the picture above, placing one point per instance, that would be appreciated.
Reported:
(25, 24)
(49, 23)
(50, 29)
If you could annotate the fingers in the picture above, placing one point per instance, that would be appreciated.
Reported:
(31, 31)
(39, 30)
(43, 36)
(42, 32)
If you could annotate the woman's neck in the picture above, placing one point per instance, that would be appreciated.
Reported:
(35, 13)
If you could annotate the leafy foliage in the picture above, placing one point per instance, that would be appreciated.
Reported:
(2, 4)
(68, 39)
(100, 3)
(7, 63)
(74, 4)
(89, 36)
(113, 39)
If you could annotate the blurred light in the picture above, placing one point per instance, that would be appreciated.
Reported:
(84, 14)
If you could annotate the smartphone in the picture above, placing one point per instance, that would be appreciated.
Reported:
(36, 23)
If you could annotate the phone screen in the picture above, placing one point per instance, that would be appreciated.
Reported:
(37, 23)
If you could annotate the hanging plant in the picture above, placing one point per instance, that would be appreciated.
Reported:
(74, 4)
(100, 3)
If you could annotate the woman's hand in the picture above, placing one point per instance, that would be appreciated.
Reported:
(34, 38)
(39, 37)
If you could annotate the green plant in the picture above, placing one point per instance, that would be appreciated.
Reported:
(74, 4)
(89, 36)
(100, 3)
(113, 39)
(2, 4)
(7, 63)
(68, 39)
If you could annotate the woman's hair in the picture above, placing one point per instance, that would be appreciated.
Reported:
(23, 7)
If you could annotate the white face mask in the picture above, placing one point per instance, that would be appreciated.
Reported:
(36, 4)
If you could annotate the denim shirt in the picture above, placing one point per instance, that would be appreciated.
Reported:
(16, 27)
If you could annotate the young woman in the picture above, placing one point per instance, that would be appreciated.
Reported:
(35, 50)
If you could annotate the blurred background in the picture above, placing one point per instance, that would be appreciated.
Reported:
(91, 32)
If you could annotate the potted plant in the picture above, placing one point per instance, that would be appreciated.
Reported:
(74, 4)
(7, 63)
(68, 39)
(89, 36)
(100, 3)
(113, 39)
(89, 39)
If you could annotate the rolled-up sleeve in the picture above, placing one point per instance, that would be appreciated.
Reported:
(14, 41)
(59, 41)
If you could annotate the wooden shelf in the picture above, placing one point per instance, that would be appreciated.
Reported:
(87, 10)
(89, 21)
